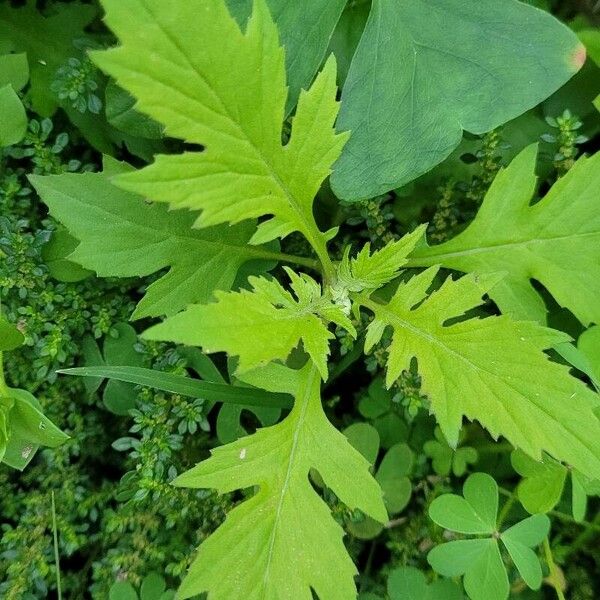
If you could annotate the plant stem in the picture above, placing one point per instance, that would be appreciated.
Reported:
(506, 508)
(56, 557)
(560, 515)
(591, 530)
(4, 391)
(553, 578)
(288, 258)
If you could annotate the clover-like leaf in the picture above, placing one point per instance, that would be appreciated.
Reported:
(408, 583)
(543, 484)
(444, 458)
(480, 560)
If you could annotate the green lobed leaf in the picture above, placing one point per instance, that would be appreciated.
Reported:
(493, 370)
(285, 518)
(225, 90)
(555, 241)
(371, 270)
(122, 235)
(408, 95)
(261, 325)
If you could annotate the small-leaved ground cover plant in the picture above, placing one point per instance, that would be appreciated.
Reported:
(361, 272)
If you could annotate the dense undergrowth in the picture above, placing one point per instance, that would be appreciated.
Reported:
(118, 518)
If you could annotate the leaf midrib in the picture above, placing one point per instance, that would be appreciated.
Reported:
(310, 228)
(306, 399)
(429, 254)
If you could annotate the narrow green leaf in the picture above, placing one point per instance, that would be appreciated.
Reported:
(179, 384)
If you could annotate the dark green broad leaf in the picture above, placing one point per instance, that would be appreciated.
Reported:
(10, 336)
(120, 113)
(305, 28)
(119, 349)
(426, 70)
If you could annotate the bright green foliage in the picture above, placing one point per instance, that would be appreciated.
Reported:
(371, 270)
(543, 484)
(13, 120)
(245, 171)
(122, 235)
(479, 560)
(47, 41)
(305, 29)
(281, 554)
(260, 325)
(408, 583)
(406, 94)
(492, 370)
(445, 458)
(556, 241)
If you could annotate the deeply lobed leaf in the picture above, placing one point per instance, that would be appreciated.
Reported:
(555, 241)
(275, 544)
(492, 370)
(225, 90)
(122, 235)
